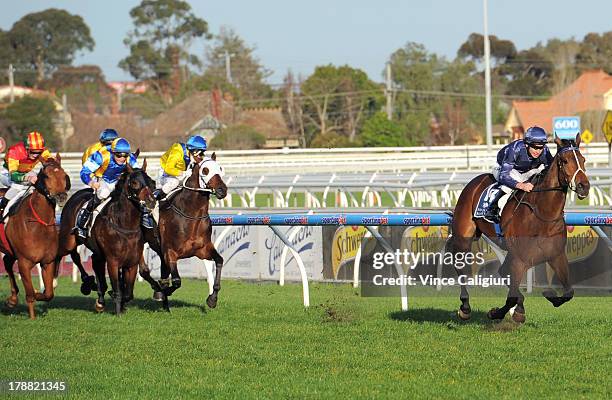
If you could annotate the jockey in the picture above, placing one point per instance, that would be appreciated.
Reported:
(175, 162)
(106, 139)
(19, 162)
(517, 162)
(101, 171)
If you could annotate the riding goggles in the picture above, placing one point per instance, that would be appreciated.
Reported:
(197, 153)
(121, 155)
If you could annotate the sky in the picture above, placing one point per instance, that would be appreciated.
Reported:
(300, 35)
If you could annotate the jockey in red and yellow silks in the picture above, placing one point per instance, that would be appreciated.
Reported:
(19, 162)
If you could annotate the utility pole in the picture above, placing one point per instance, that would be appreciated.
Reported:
(389, 93)
(11, 83)
(228, 67)
(64, 121)
(487, 51)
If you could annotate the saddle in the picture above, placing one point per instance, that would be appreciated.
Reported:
(95, 212)
(14, 203)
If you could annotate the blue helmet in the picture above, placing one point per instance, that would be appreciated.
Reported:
(108, 135)
(196, 143)
(120, 145)
(535, 134)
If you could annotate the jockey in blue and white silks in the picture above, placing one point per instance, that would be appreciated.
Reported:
(101, 171)
(517, 162)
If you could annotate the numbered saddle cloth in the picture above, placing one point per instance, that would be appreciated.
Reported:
(487, 199)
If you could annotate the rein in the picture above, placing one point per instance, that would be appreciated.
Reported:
(37, 217)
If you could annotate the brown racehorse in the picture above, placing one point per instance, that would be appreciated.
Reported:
(185, 230)
(116, 237)
(32, 236)
(533, 227)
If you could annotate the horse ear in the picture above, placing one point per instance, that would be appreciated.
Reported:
(214, 156)
(558, 141)
(58, 158)
(137, 152)
(128, 168)
(144, 165)
(578, 139)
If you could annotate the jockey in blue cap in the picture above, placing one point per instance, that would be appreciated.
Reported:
(107, 136)
(175, 162)
(101, 171)
(517, 162)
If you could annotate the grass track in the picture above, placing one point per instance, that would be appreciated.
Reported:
(261, 343)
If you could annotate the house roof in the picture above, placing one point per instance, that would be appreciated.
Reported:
(585, 94)
(268, 121)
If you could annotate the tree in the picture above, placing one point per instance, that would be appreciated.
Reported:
(336, 99)
(562, 54)
(416, 80)
(530, 73)
(45, 40)
(238, 137)
(596, 52)
(28, 114)
(330, 140)
(378, 131)
(473, 48)
(160, 42)
(247, 73)
(292, 107)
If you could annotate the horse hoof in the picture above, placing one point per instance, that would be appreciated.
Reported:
(158, 296)
(211, 301)
(99, 307)
(492, 314)
(11, 302)
(463, 316)
(549, 294)
(85, 290)
(518, 317)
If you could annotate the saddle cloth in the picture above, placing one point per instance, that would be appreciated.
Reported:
(95, 213)
(486, 199)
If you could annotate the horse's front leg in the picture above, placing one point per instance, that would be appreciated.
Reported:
(129, 277)
(517, 269)
(13, 299)
(212, 253)
(25, 270)
(48, 273)
(560, 265)
(98, 263)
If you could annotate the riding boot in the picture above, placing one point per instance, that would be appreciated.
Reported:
(146, 219)
(3, 203)
(84, 217)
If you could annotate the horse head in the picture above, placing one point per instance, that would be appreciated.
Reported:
(570, 162)
(53, 182)
(211, 174)
(208, 174)
(139, 186)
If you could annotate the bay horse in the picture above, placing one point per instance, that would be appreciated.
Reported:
(185, 230)
(116, 238)
(533, 226)
(31, 235)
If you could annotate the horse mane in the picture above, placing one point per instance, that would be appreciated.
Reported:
(116, 193)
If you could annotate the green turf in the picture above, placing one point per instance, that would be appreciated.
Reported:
(261, 343)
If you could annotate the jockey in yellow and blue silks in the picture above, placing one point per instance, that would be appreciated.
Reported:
(101, 172)
(175, 162)
(107, 136)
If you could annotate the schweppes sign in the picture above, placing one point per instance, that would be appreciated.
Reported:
(581, 243)
(345, 244)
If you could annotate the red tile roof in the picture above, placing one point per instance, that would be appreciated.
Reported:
(584, 94)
